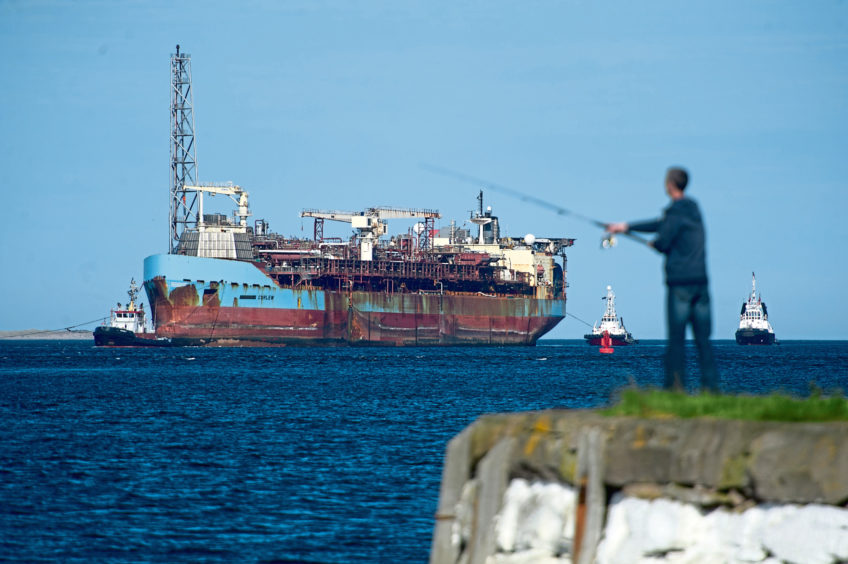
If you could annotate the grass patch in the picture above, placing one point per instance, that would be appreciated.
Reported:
(775, 407)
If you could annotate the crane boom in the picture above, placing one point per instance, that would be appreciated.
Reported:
(334, 215)
(227, 189)
(370, 222)
(378, 212)
(399, 213)
(235, 193)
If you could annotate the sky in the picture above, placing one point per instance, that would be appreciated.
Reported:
(336, 105)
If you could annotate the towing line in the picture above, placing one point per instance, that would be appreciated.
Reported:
(68, 328)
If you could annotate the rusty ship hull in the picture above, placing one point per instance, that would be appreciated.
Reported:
(218, 302)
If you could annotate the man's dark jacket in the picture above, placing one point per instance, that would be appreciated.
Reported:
(680, 237)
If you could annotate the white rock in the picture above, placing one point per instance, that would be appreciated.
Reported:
(536, 524)
(464, 512)
(534, 556)
(667, 531)
(535, 517)
(638, 529)
(506, 521)
(732, 536)
(749, 554)
(809, 534)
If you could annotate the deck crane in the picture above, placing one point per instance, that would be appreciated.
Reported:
(234, 192)
(370, 223)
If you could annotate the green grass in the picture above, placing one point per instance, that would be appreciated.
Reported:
(774, 407)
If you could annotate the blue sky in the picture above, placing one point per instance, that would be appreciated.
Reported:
(336, 104)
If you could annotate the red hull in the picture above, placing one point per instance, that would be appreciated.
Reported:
(360, 318)
(242, 326)
(616, 342)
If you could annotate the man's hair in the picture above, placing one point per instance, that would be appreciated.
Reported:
(677, 176)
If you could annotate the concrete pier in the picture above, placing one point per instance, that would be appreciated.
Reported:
(575, 486)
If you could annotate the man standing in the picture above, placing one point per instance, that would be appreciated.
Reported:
(680, 237)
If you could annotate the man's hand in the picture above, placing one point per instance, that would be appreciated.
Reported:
(617, 227)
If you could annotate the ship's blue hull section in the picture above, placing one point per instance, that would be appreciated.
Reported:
(239, 283)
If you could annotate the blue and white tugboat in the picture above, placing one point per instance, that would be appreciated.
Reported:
(127, 326)
(611, 324)
(754, 326)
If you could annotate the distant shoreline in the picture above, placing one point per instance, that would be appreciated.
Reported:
(45, 335)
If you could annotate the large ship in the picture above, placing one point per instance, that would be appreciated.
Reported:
(611, 324)
(229, 284)
(225, 282)
(754, 327)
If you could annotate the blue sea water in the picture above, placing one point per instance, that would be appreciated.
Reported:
(290, 454)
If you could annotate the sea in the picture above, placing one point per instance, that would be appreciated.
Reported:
(290, 454)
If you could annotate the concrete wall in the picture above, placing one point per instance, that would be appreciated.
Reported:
(573, 486)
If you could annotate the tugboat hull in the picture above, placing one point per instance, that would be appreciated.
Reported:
(117, 337)
(617, 340)
(611, 325)
(754, 337)
(754, 327)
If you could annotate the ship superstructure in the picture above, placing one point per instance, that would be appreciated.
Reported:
(226, 281)
(754, 327)
(611, 324)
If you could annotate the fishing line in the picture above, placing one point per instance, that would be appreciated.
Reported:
(559, 210)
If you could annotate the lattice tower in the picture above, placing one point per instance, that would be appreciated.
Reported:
(183, 208)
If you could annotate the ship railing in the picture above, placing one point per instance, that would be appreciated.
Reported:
(318, 266)
(403, 269)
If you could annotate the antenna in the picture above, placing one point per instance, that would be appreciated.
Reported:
(182, 213)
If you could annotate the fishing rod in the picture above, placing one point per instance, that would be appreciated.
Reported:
(608, 240)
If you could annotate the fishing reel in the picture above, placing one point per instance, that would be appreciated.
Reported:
(608, 241)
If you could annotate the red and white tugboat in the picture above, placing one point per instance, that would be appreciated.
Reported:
(754, 326)
(127, 326)
(612, 324)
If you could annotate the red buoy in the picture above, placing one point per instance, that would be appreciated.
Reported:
(606, 344)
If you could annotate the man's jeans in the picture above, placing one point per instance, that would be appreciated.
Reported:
(689, 303)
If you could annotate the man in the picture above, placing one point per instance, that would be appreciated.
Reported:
(680, 237)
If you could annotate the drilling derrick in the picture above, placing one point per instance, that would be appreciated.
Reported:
(182, 212)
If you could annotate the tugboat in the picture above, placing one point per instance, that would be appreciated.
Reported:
(754, 326)
(127, 326)
(612, 324)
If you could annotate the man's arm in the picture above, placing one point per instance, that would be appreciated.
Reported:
(647, 226)
(650, 226)
(667, 232)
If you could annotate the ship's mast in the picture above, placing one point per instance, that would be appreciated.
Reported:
(182, 212)
(480, 220)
